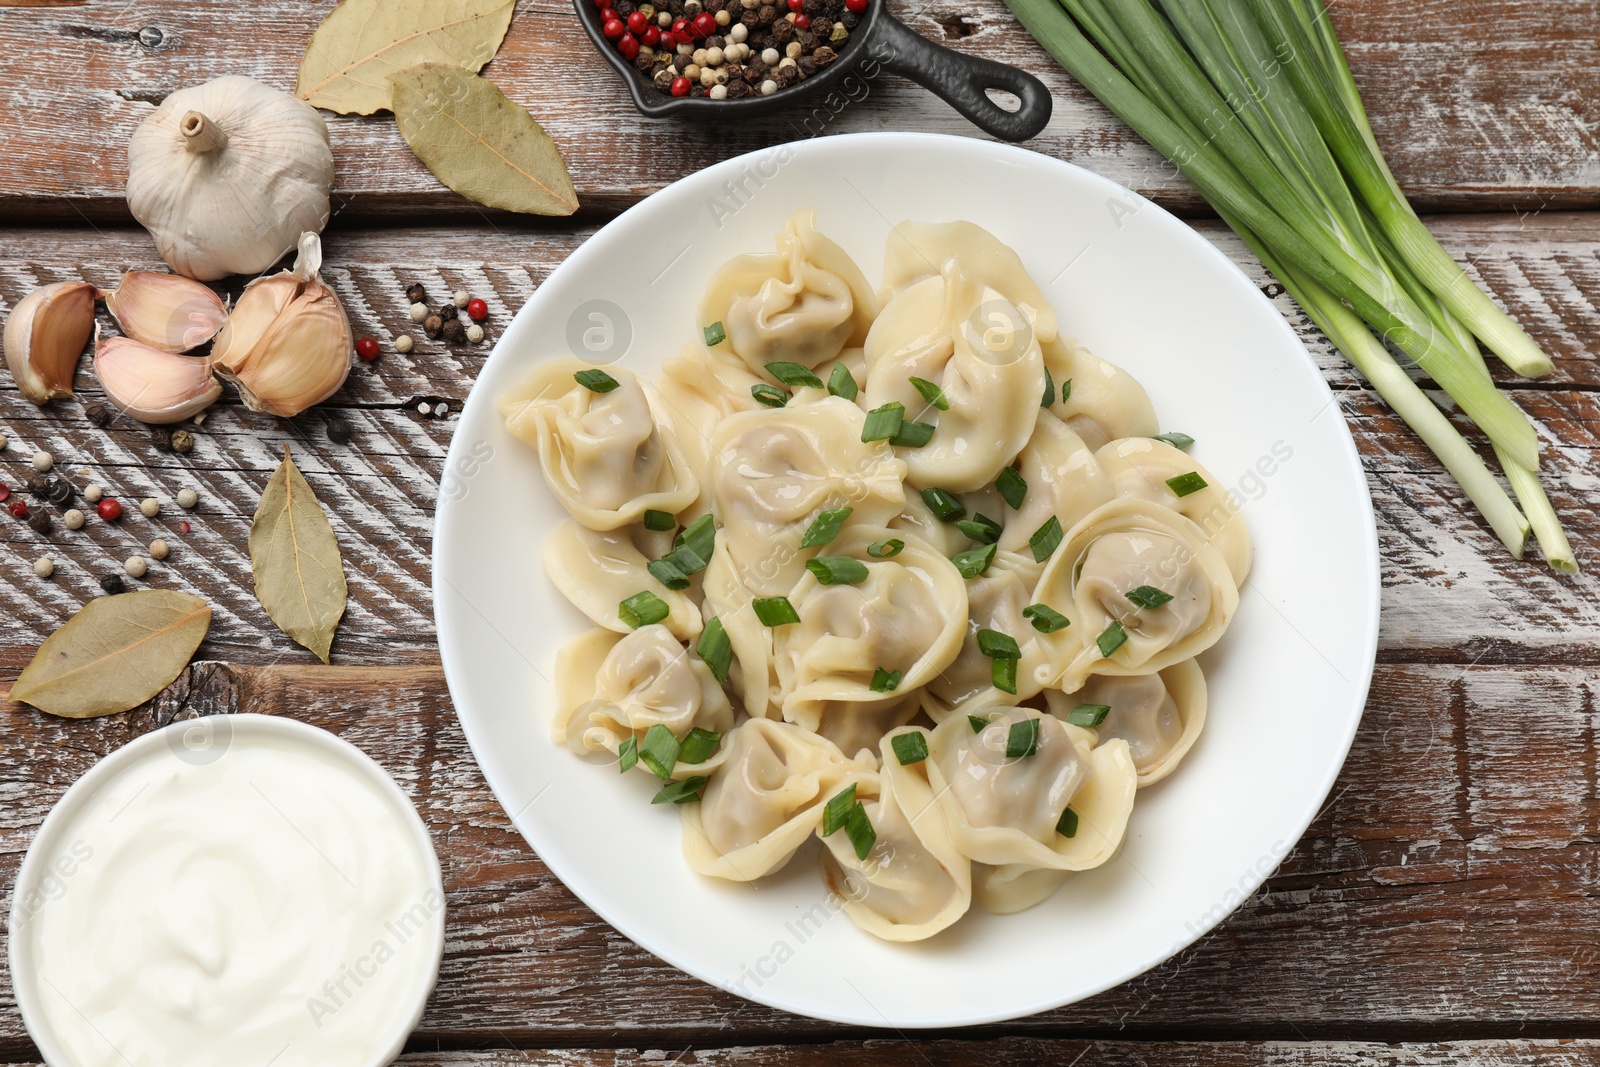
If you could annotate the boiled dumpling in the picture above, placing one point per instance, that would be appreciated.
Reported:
(753, 675)
(596, 570)
(1063, 480)
(1133, 547)
(908, 615)
(643, 679)
(775, 469)
(609, 456)
(918, 250)
(765, 799)
(1140, 466)
(914, 882)
(1104, 402)
(803, 304)
(700, 387)
(981, 352)
(1158, 715)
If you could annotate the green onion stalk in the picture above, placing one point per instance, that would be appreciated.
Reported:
(1254, 103)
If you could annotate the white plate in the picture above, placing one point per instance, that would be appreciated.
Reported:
(1142, 289)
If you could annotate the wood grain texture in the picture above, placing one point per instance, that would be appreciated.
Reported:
(1450, 887)
(1490, 106)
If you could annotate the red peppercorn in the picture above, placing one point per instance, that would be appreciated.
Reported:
(613, 29)
(637, 22)
(367, 349)
(477, 310)
(184, 527)
(704, 24)
(802, 22)
(19, 510)
(109, 510)
(5, 493)
(652, 36)
(680, 26)
(604, 4)
(629, 47)
(857, 6)
(796, 6)
(680, 86)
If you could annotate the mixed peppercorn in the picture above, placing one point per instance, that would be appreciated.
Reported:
(729, 49)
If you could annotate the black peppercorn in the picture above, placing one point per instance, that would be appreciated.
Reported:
(663, 79)
(783, 31)
(738, 90)
(824, 56)
(97, 414)
(716, 40)
(785, 77)
(697, 91)
(447, 311)
(416, 293)
(40, 522)
(820, 28)
(61, 493)
(808, 40)
(39, 487)
(432, 325)
(454, 332)
(849, 20)
(112, 583)
(750, 20)
(339, 431)
(182, 441)
(807, 65)
(161, 438)
(644, 64)
(765, 14)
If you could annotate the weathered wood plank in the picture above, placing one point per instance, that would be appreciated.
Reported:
(1453, 592)
(1449, 887)
(1491, 106)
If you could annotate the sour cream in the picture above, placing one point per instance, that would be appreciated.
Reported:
(233, 890)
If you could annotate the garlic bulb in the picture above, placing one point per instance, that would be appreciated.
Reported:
(166, 311)
(287, 344)
(227, 175)
(152, 385)
(45, 335)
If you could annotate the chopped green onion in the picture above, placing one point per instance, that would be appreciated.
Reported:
(770, 395)
(885, 681)
(974, 561)
(837, 570)
(1023, 740)
(698, 745)
(1046, 620)
(825, 527)
(978, 723)
(931, 393)
(716, 649)
(883, 423)
(1067, 825)
(775, 611)
(912, 434)
(1066, 390)
(714, 334)
(1111, 638)
(1180, 441)
(997, 645)
(1003, 675)
(1049, 396)
(943, 504)
(596, 381)
(699, 537)
(909, 748)
(1013, 487)
(842, 383)
(1148, 596)
(684, 560)
(1089, 715)
(1045, 539)
(1184, 484)
(794, 375)
(659, 751)
(885, 549)
(859, 827)
(980, 528)
(680, 792)
(667, 573)
(660, 520)
(837, 809)
(642, 609)
(627, 754)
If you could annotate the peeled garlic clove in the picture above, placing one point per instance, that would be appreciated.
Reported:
(45, 336)
(287, 344)
(151, 385)
(166, 311)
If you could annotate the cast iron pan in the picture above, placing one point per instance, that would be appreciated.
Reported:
(879, 43)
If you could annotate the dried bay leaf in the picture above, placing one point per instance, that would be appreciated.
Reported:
(294, 557)
(114, 654)
(361, 42)
(479, 143)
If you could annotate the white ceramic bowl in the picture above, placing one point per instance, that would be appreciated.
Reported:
(50, 865)
(1143, 290)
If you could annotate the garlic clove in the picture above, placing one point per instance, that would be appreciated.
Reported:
(152, 385)
(45, 336)
(166, 311)
(287, 344)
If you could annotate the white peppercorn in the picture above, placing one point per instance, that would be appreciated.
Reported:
(664, 19)
(441, 410)
(718, 92)
(702, 56)
(43, 461)
(788, 64)
(404, 343)
(159, 549)
(715, 56)
(424, 408)
(43, 567)
(769, 87)
(73, 519)
(692, 72)
(723, 18)
(188, 498)
(770, 57)
(92, 493)
(460, 298)
(419, 312)
(737, 34)
(149, 507)
(708, 77)
(136, 566)
(5, 442)
(475, 334)
(793, 50)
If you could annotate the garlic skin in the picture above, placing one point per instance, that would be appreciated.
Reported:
(227, 175)
(287, 344)
(45, 335)
(152, 385)
(166, 311)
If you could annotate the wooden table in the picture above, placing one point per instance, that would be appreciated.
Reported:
(1445, 906)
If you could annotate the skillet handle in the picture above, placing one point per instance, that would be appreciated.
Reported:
(960, 80)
